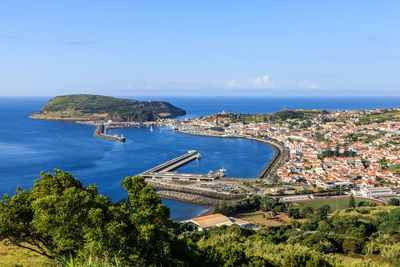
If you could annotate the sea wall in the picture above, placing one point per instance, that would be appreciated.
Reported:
(195, 191)
(186, 197)
(101, 131)
(275, 162)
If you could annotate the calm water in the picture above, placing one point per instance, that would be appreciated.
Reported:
(28, 146)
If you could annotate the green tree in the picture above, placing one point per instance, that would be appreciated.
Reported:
(216, 208)
(323, 226)
(293, 212)
(295, 223)
(60, 218)
(223, 207)
(352, 202)
(394, 202)
(322, 212)
(306, 212)
(305, 259)
(274, 213)
(391, 222)
(352, 245)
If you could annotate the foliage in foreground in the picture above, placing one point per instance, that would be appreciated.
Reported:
(73, 225)
(59, 218)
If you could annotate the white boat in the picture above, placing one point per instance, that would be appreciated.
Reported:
(222, 171)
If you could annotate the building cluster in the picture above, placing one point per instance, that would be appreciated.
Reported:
(328, 149)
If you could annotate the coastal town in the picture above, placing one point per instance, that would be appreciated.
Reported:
(327, 150)
(341, 152)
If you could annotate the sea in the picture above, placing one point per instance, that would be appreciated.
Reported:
(29, 146)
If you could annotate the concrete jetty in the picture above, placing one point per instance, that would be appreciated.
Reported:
(176, 162)
(163, 171)
(101, 131)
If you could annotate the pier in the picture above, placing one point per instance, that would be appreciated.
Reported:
(176, 162)
(163, 171)
(101, 131)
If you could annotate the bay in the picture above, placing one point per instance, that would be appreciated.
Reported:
(29, 146)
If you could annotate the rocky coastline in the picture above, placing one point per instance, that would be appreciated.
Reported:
(56, 118)
(195, 191)
(189, 198)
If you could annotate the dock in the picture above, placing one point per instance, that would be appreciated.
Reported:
(164, 170)
(176, 162)
(101, 131)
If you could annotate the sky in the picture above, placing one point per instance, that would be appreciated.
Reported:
(200, 48)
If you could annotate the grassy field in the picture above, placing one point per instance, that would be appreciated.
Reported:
(381, 117)
(395, 168)
(15, 256)
(264, 218)
(335, 204)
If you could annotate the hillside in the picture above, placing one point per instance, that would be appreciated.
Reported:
(268, 117)
(97, 107)
(68, 224)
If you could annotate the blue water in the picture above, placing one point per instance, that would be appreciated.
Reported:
(29, 146)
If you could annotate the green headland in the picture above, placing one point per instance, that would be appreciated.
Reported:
(98, 107)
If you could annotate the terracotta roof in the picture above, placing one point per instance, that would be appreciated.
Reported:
(212, 220)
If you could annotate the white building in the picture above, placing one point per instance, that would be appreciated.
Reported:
(377, 192)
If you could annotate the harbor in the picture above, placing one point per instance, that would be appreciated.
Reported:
(207, 189)
(101, 131)
(164, 170)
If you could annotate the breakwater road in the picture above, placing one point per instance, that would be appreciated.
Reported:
(101, 131)
(174, 163)
(278, 151)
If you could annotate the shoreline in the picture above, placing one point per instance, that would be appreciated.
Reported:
(278, 150)
(50, 118)
(189, 197)
(194, 197)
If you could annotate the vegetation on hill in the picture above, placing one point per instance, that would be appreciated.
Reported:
(74, 225)
(384, 115)
(97, 107)
(278, 116)
(394, 168)
(335, 203)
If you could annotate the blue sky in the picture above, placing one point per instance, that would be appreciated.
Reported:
(229, 48)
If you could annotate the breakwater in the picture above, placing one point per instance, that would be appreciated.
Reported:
(195, 191)
(101, 131)
(278, 158)
(189, 198)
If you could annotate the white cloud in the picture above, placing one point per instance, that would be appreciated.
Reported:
(258, 82)
(261, 81)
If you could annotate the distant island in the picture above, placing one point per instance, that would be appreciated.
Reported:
(85, 107)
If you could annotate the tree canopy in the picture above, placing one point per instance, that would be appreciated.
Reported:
(59, 218)
(62, 220)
